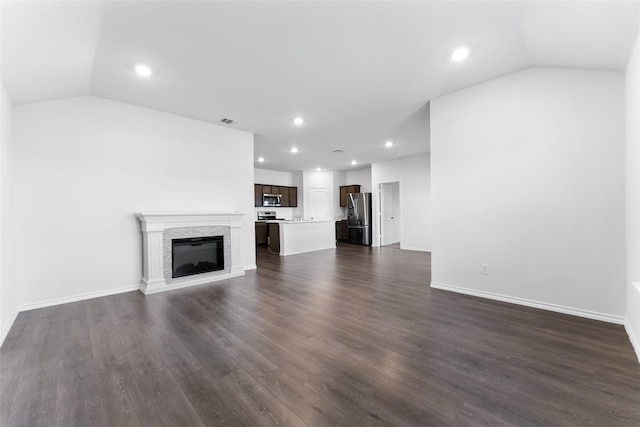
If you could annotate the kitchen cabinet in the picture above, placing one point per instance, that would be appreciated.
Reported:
(293, 197)
(289, 194)
(346, 189)
(274, 237)
(257, 192)
(261, 232)
(284, 192)
(341, 230)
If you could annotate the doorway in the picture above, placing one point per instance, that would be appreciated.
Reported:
(390, 213)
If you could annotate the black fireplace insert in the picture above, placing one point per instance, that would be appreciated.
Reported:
(197, 255)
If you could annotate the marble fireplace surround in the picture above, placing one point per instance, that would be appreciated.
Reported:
(158, 228)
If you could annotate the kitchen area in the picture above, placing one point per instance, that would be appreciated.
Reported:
(293, 219)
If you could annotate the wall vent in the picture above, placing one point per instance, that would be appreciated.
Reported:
(227, 121)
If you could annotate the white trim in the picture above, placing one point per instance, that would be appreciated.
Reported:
(635, 343)
(250, 267)
(618, 320)
(90, 295)
(632, 337)
(182, 217)
(7, 327)
(194, 282)
(413, 248)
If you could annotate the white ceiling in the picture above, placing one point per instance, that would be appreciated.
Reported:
(358, 72)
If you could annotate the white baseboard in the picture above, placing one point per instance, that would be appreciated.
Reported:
(635, 342)
(632, 337)
(7, 327)
(618, 320)
(57, 301)
(413, 248)
(250, 267)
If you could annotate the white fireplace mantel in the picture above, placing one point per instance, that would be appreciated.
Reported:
(158, 227)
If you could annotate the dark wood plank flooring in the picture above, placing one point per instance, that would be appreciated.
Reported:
(352, 336)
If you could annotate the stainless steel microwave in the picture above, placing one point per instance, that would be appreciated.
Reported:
(271, 200)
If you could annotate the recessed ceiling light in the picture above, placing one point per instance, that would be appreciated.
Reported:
(353, 162)
(294, 149)
(261, 159)
(143, 70)
(298, 121)
(388, 144)
(460, 53)
(318, 169)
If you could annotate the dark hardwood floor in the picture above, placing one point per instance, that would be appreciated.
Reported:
(352, 336)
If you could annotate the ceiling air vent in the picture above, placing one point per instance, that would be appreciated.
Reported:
(227, 121)
(338, 151)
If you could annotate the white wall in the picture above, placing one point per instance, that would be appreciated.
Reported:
(528, 177)
(413, 174)
(339, 179)
(360, 177)
(297, 181)
(632, 195)
(84, 166)
(8, 288)
(267, 176)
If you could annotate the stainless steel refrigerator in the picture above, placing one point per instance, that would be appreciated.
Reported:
(359, 218)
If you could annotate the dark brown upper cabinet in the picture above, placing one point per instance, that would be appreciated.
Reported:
(257, 192)
(346, 189)
(284, 191)
(293, 197)
(289, 194)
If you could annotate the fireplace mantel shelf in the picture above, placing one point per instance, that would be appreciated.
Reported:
(180, 213)
(185, 216)
(155, 225)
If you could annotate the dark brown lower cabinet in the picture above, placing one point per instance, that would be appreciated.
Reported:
(261, 233)
(341, 230)
(274, 237)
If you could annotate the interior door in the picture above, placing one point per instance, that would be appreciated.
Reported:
(318, 198)
(386, 215)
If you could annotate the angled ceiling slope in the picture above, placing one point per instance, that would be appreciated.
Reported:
(360, 73)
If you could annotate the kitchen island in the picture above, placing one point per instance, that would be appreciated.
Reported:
(296, 237)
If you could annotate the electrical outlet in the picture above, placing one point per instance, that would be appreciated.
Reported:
(484, 269)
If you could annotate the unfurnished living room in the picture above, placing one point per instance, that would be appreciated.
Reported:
(309, 213)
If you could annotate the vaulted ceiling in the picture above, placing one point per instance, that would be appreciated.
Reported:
(359, 73)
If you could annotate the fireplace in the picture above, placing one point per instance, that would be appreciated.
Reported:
(196, 255)
(191, 253)
(189, 248)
